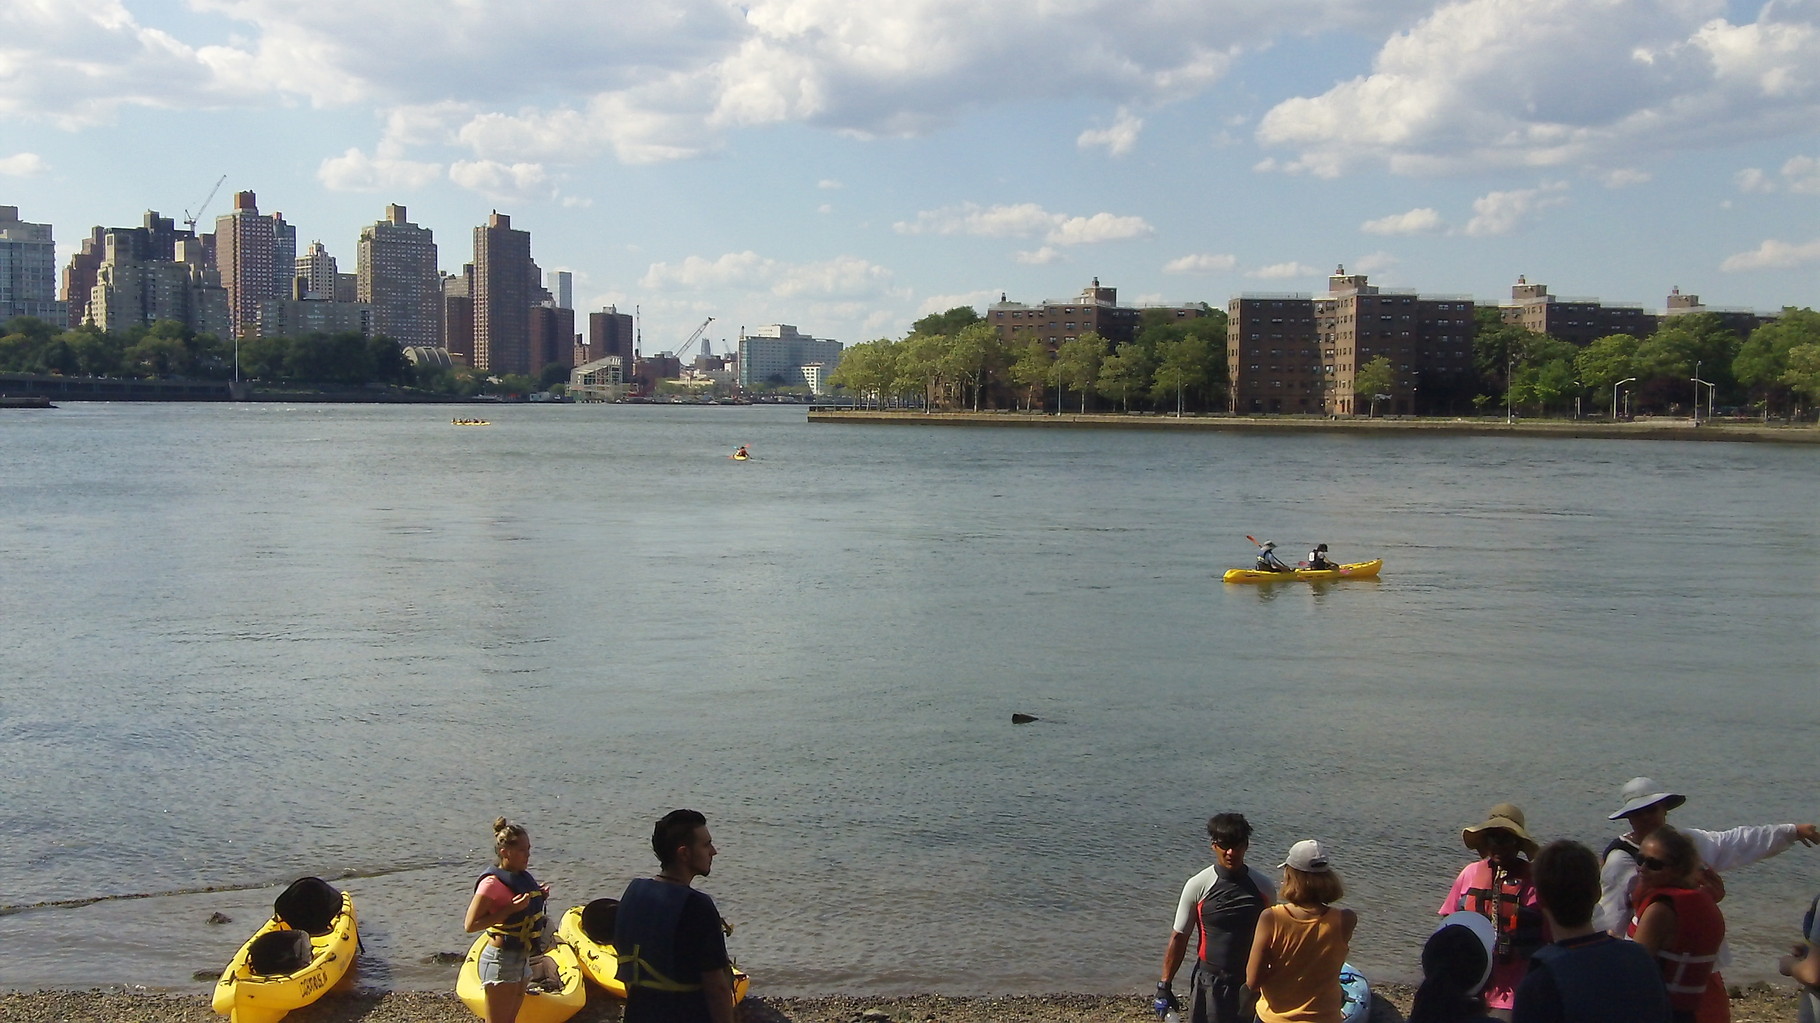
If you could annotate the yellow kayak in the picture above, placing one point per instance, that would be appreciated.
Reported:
(246, 995)
(538, 1007)
(1357, 570)
(580, 928)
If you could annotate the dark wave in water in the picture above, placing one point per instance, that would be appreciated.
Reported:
(345, 875)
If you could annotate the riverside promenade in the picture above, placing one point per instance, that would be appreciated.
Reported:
(1659, 428)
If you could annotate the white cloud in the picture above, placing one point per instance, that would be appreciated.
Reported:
(506, 182)
(1498, 213)
(829, 183)
(1502, 83)
(844, 277)
(1624, 177)
(355, 171)
(1026, 220)
(1802, 175)
(1045, 256)
(1373, 262)
(1752, 180)
(1283, 271)
(1773, 255)
(1416, 221)
(1118, 139)
(22, 165)
(1202, 263)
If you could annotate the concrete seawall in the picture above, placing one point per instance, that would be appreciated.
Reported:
(1642, 429)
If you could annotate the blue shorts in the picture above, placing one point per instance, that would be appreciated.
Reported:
(504, 965)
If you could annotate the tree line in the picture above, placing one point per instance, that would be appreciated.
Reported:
(957, 360)
(167, 350)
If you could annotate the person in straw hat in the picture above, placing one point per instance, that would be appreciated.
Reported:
(1498, 887)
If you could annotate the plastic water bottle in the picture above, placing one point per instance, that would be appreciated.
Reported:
(1172, 1016)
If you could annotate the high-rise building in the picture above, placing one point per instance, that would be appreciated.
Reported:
(552, 336)
(458, 314)
(251, 257)
(777, 355)
(28, 270)
(1294, 353)
(317, 271)
(79, 275)
(565, 289)
(506, 284)
(610, 332)
(400, 280)
(135, 287)
(1096, 310)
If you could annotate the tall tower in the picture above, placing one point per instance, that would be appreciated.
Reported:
(246, 254)
(28, 270)
(400, 280)
(505, 287)
(317, 270)
(565, 289)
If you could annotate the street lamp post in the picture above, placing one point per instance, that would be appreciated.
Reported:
(1696, 393)
(1510, 368)
(1615, 388)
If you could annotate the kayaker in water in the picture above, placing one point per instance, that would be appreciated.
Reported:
(1268, 560)
(1317, 558)
(508, 904)
(741, 453)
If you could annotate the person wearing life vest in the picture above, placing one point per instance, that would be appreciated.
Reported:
(507, 904)
(1223, 904)
(1498, 887)
(1268, 560)
(1679, 923)
(670, 939)
(1317, 558)
(1585, 975)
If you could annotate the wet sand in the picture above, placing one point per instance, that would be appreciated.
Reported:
(1759, 1003)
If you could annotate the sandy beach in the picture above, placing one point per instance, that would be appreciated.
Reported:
(1757, 1003)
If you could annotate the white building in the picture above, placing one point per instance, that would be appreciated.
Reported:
(28, 270)
(775, 356)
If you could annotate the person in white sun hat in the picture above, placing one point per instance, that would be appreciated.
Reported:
(1644, 804)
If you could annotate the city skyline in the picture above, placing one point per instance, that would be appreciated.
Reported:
(850, 170)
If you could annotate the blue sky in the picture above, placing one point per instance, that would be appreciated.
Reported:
(849, 165)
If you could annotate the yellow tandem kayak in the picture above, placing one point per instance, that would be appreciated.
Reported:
(581, 927)
(539, 1006)
(248, 993)
(1357, 570)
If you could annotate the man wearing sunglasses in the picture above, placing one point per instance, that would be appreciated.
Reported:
(1223, 903)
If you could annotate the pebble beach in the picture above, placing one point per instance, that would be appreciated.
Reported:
(1756, 1003)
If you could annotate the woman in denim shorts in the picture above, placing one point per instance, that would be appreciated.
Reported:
(508, 904)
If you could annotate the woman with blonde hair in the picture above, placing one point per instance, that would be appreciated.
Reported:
(1301, 943)
(508, 904)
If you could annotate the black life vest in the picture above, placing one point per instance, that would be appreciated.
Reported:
(523, 928)
(644, 935)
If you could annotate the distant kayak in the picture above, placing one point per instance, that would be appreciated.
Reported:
(1358, 570)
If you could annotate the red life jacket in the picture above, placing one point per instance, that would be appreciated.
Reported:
(1699, 929)
(1499, 896)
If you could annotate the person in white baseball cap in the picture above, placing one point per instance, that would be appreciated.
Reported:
(1301, 942)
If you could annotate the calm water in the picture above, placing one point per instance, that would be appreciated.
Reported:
(247, 643)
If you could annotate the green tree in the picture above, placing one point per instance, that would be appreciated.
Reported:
(1763, 357)
(867, 370)
(157, 356)
(1374, 378)
(1127, 371)
(1604, 362)
(1078, 363)
(553, 374)
(1803, 373)
(1031, 369)
(1185, 366)
(972, 355)
(949, 323)
(919, 368)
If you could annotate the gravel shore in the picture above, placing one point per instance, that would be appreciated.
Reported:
(1757, 1003)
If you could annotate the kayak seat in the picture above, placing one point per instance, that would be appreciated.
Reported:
(279, 953)
(598, 918)
(310, 905)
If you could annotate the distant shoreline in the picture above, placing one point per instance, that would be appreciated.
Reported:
(1582, 429)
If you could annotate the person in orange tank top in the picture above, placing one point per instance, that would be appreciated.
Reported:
(1301, 944)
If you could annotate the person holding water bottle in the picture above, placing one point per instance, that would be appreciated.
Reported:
(1223, 904)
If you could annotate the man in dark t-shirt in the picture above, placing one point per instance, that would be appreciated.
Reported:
(672, 949)
(1585, 975)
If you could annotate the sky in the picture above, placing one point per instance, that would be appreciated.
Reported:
(847, 166)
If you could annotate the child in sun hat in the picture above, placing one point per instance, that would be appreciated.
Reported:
(1498, 887)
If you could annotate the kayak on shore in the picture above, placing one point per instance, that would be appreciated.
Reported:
(300, 953)
(589, 931)
(539, 1006)
(1357, 570)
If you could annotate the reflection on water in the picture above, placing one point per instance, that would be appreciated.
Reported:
(248, 643)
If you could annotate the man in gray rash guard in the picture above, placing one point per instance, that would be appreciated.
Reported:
(1223, 903)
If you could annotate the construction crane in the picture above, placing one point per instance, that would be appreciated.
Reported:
(686, 345)
(189, 219)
